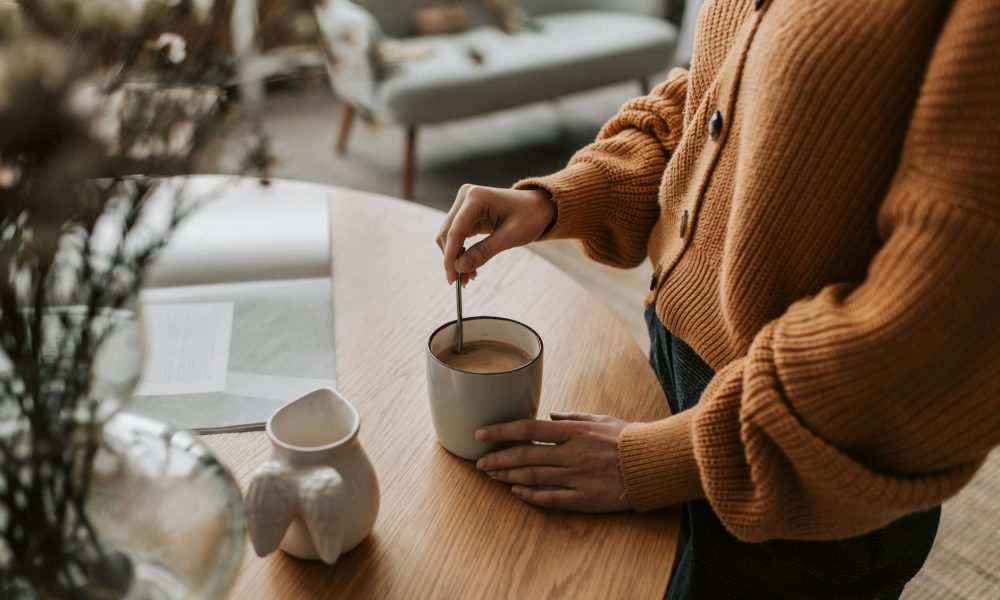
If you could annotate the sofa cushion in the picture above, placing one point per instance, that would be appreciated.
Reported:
(569, 52)
(654, 8)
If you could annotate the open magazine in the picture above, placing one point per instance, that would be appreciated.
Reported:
(237, 313)
(224, 357)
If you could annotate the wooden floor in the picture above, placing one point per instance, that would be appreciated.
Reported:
(499, 149)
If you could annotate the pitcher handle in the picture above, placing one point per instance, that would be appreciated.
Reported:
(322, 502)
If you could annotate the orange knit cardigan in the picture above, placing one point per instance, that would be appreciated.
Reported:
(820, 198)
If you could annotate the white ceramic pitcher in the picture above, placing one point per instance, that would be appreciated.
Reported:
(318, 496)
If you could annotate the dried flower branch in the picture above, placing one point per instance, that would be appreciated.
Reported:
(91, 93)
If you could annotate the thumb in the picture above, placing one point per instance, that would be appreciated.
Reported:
(573, 416)
(476, 256)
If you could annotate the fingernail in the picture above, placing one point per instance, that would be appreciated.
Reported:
(480, 464)
(492, 474)
(516, 490)
(481, 435)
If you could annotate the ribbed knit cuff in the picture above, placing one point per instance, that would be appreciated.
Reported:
(581, 192)
(658, 464)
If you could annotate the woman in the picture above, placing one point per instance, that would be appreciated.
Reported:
(820, 199)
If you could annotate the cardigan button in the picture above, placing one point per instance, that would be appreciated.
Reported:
(684, 222)
(715, 125)
(757, 4)
(656, 277)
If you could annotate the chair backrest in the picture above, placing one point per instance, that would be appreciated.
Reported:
(396, 16)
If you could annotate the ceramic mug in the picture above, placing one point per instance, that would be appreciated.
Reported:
(462, 402)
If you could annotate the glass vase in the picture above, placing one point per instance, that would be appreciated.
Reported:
(167, 509)
(161, 517)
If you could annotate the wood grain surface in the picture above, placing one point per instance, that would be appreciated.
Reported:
(444, 529)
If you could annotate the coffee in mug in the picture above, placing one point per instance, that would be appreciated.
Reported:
(496, 379)
(485, 356)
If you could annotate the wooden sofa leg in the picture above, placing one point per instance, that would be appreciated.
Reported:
(409, 163)
(347, 114)
(644, 85)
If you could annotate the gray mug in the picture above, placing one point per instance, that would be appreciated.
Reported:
(462, 401)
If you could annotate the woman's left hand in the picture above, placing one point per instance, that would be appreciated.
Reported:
(574, 468)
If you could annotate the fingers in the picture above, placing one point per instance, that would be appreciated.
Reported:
(545, 498)
(468, 277)
(451, 238)
(525, 430)
(533, 476)
(446, 225)
(577, 470)
(472, 218)
(524, 455)
(575, 416)
(476, 256)
(510, 217)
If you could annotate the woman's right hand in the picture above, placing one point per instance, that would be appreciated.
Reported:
(512, 218)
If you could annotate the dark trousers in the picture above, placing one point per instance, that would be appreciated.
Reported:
(713, 564)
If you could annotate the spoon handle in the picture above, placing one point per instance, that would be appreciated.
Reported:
(458, 304)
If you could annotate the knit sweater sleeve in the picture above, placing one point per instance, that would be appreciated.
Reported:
(868, 401)
(607, 195)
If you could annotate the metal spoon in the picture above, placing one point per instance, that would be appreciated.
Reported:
(458, 304)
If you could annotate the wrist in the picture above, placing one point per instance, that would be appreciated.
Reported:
(549, 210)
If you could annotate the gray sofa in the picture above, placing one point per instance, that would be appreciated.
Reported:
(568, 46)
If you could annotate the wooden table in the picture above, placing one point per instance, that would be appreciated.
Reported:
(446, 530)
